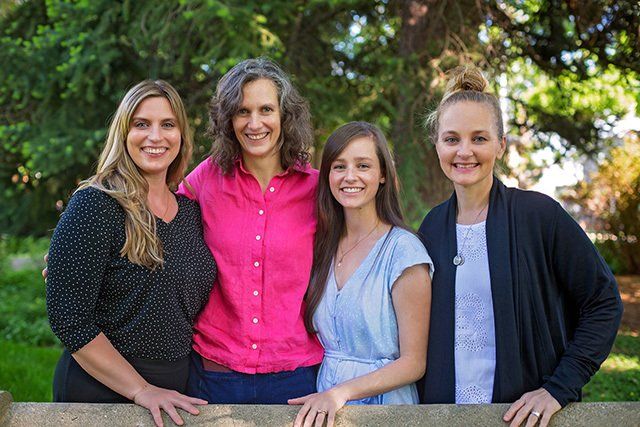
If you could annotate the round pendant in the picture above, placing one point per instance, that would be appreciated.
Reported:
(458, 260)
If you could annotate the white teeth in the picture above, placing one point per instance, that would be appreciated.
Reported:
(152, 150)
(352, 190)
(257, 135)
(458, 165)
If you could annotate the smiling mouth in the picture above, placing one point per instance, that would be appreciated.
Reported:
(154, 150)
(256, 136)
(352, 190)
(465, 165)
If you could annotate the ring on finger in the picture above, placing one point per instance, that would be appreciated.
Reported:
(322, 411)
(535, 414)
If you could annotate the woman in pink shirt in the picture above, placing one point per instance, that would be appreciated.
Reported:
(256, 192)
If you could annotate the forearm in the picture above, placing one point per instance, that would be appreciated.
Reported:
(103, 362)
(405, 370)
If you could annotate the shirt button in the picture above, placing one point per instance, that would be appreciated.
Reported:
(272, 189)
(260, 212)
(255, 320)
(255, 293)
(254, 346)
(258, 237)
(256, 264)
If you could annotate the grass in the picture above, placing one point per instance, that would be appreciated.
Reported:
(619, 376)
(27, 371)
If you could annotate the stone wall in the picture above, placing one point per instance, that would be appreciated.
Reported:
(610, 414)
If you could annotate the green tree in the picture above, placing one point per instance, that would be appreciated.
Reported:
(610, 199)
(66, 63)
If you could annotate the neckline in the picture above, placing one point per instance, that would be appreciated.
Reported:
(471, 225)
(162, 221)
(374, 248)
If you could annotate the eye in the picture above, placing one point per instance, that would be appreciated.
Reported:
(364, 166)
(168, 125)
(337, 166)
(242, 112)
(450, 140)
(267, 109)
(139, 124)
(480, 139)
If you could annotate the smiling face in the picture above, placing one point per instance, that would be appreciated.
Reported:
(256, 124)
(468, 144)
(154, 137)
(355, 175)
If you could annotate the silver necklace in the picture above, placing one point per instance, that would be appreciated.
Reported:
(459, 258)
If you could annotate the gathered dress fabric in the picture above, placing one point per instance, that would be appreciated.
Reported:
(556, 305)
(357, 324)
(253, 322)
(147, 315)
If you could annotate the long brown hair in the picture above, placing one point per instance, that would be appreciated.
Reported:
(330, 213)
(119, 177)
(296, 137)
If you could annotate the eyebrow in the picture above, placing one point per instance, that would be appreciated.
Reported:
(173, 119)
(357, 159)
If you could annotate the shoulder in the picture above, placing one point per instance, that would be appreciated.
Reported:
(307, 173)
(533, 205)
(406, 244)
(92, 200)
(188, 205)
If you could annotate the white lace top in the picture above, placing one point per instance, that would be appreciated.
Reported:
(475, 343)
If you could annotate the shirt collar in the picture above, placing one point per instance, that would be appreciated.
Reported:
(302, 168)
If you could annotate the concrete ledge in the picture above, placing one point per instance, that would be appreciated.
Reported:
(618, 414)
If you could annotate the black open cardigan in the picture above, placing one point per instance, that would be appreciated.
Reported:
(556, 303)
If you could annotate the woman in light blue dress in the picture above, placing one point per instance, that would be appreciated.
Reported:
(370, 291)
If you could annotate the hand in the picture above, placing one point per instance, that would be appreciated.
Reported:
(155, 398)
(535, 402)
(318, 406)
(45, 271)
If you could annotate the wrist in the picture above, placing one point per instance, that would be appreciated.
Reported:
(138, 390)
(341, 392)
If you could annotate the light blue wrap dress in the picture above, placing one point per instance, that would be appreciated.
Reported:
(357, 325)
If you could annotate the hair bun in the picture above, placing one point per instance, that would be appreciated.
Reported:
(465, 77)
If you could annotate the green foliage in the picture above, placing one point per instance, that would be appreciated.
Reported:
(611, 198)
(573, 69)
(27, 371)
(23, 312)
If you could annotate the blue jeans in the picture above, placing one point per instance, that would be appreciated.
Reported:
(238, 388)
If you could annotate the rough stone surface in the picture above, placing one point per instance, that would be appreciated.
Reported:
(613, 414)
(5, 404)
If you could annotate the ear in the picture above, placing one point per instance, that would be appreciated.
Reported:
(503, 146)
(382, 180)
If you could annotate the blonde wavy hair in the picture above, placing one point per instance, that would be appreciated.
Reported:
(119, 177)
(465, 83)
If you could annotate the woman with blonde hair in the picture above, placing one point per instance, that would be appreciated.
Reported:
(128, 266)
(524, 308)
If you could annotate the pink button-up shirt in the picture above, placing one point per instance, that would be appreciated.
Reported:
(263, 245)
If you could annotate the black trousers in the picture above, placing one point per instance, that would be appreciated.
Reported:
(71, 383)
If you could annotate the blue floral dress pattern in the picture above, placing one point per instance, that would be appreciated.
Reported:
(357, 325)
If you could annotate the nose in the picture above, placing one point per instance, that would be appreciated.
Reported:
(154, 133)
(349, 174)
(254, 121)
(464, 149)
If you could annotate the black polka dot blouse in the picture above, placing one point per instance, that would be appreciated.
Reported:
(92, 289)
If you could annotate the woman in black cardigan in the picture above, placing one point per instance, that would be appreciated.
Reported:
(524, 308)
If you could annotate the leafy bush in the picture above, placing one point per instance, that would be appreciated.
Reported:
(23, 313)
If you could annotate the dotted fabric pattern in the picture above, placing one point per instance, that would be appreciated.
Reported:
(471, 331)
(92, 289)
(472, 394)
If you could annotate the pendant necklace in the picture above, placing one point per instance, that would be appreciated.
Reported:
(357, 243)
(459, 258)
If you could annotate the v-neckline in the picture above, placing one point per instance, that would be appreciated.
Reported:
(364, 261)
